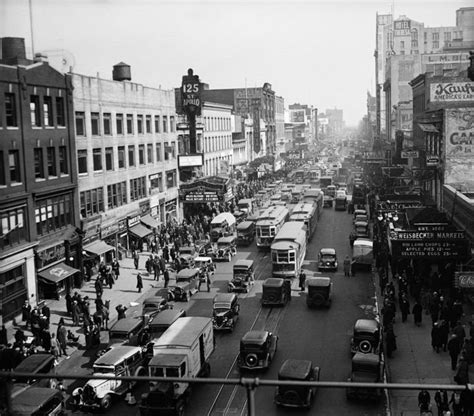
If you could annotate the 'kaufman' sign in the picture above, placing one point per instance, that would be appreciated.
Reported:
(452, 91)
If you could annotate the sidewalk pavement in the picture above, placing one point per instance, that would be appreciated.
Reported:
(414, 361)
(124, 292)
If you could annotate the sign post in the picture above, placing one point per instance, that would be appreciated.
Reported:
(191, 89)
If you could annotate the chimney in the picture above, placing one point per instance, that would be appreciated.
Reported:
(122, 72)
(40, 57)
(13, 51)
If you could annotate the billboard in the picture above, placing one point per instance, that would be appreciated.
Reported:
(459, 133)
(297, 116)
(190, 160)
(451, 91)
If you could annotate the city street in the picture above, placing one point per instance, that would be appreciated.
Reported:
(320, 335)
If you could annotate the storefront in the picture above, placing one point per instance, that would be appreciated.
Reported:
(171, 209)
(99, 251)
(137, 233)
(55, 281)
(109, 234)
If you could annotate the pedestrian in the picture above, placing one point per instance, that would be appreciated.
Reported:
(417, 313)
(61, 335)
(105, 314)
(139, 282)
(166, 277)
(116, 268)
(54, 346)
(404, 307)
(110, 279)
(302, 280)
(454, 348)
(20, 337)
(26, 313)
(436, 341)
(353, 268)
(99, 288)
(121, 311)
(462, 371)
(156, 268)
(68, 298)
(46, 340)
(347, 266)
(99, 303)
(3, 336)
(136, 259)
(424, 400)
(391, 342)
(441, 400)
(75, 313)
(444, 333)
(149, 264)
(457, 404)
(46, 312)
(459, 331)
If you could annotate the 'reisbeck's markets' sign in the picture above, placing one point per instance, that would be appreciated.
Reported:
(427, 244)
(452, 91)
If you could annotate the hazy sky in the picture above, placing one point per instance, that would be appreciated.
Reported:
(314, 52)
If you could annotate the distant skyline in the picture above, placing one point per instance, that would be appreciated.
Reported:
(312, 52)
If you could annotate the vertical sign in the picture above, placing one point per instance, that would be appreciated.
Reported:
(191, 93)
(256, 130)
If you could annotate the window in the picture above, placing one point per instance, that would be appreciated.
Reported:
(149, 152)
(53, 214)
(63, 165)
(156, 182)
(435, 36)
(109, 158)
(92, 202)
(80, 123)
(447, 36)
(82, 161)
(97, 159)
(167, 151)
(107, 124)
(10, 110)
(14, 166)
(48, 111)
(2, 169)
(402, 44)
(95, 119)
(158, 152)
(60, 112)
(425, 36)
(51, 156)
(131, 155)
(116, 195)
(148, 124)
(119, 123)
(173, 150)
(121, 157)
(141, 154)
(13, 230)
(170, 179)
(39, 163)
(172, 124)
(414, 44)
(35, 111)
(140, 124)
(165, 124)
(137, 188)
(129, 123)
(157, 124)
(435, 45)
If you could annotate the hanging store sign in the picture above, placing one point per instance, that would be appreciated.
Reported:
(452, 91)
(406, 154)
(204, 196)
(50, 255)
(191, 89)
(464, 280)
(185, 161)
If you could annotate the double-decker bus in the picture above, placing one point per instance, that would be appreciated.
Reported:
(306, 212)
(314, 196)
(289, 250)
(269, 223)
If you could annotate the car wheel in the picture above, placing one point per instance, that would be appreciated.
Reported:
(106, 402)
(365, 346)
(318, 299)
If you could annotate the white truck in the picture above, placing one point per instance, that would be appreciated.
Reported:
(183, 350)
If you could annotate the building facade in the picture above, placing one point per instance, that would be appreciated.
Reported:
(127, 160)
(39, 243)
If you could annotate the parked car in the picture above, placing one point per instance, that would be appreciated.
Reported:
(245, 232)
(126, 331)
(275, 292)
(327, 259)
(186, 256)
(366, 368)
(40, 363)
(367, 337)
(257, 349)
(119, 361)
(188, 281)
(359, 212)
(37, 401)
(153, 305)
(361, 218)
(205, 264)
(243, 278)
(296, 396)
(328, 201)
(361, 230)
(226, 248)
(319, 291)
(159, 323)
(225, 311)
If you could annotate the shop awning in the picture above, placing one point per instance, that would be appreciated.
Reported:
(428, 128)
(149, 221)
(57, 272)
(98, 248)
(140, 230)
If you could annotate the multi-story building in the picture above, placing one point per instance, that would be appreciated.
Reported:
(126, 151)
(280, 143)
(406, 48)
(242, 139)
(39, 243)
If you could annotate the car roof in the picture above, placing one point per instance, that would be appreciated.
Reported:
(202, 258)
(117, 354)
(273, 281)
(126, 324)
(30, 400)
(227, 239)
(187, 272)
(154, 299)
(255, 336)
(243, 263)
(366, 358)
(363, 242)
(361, 224)
(327, 251)
(366, 325)
(295, 369)
(318, 281)
(168, 316)
(166, 360)
(224, 297)
(33, 363)
(245, 224)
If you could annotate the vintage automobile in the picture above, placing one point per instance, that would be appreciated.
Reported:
(257, 349)
(363, 253)
(119, 361)
(188, 281)
(243, 278)
(205, 264)
(296, 396)
(361, 230)
(37, 401)
(222, 225)
(245, 233)
(328, 201)
(367, 337)
(203, 248)
(226, 248)
(359, 212)
(275, 292)
(225, 311)
(187, 254)
(361, 218)
(319, 291)
(366, 368)
(327, 259)
(240, 216)
(159, 323)
(41, 363)
(153, 305)
(126, 331)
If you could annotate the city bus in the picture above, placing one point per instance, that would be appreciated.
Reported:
(314, 175)
(306, 212)
(316, 197)
(300, 176)
(289, 250)
(269, 223)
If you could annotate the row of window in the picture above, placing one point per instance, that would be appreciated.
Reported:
(217, 123)
(45, 111)
(116, 158)
(209, 144)
(108, 124)
(92, 201)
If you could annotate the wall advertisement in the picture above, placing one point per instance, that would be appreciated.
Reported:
(452, 91)
(459, 133)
